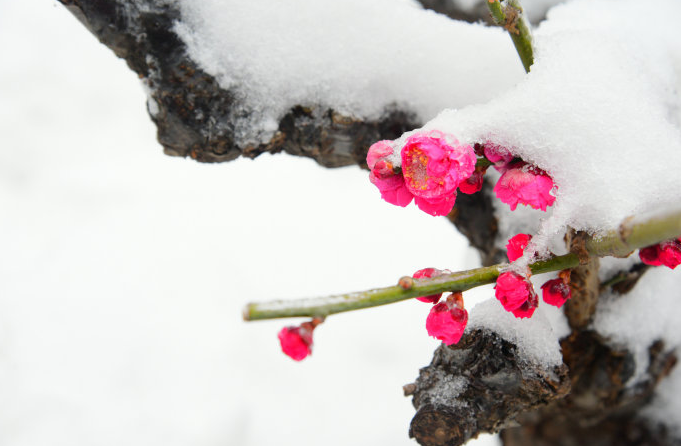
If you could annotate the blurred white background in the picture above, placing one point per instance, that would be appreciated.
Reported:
(123, 271)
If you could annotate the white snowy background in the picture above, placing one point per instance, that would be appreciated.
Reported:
(123, 271)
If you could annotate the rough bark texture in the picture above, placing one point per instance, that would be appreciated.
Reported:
(584, 284)
(583, 402)
(479, 385)
(599, 411)
(586, 401)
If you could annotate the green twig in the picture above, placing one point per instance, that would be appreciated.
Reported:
(630, 236)
(511, 18)
(483, 162)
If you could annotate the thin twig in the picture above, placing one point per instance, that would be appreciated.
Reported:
(511, 18)
(630, 236)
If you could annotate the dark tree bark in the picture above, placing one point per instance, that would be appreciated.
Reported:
(585, 401)
(194, 113)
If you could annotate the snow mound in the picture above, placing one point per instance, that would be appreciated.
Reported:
(646, 314)
(535, 338)
(355, 56)
(602, 95)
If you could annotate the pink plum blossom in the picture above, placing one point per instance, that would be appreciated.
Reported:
(474, 183)
(393, 189)
(526, 310)
(516, 294)
(378, 151)
(525, 184)
(429, 272)
(667, 253)
(499, 156)
(384, 176)
(516, 246)
(296, 342)
(434, 165)
(447, 320)
(556, 292)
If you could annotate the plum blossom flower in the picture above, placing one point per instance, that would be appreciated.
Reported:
(429, 272)
(473, 183)
(667, 253)
(501, 157)
(433, 166)
(296, 342)
(379, 151)
(527, 308)
(556, 292)
(447, 320)
(525, 184)
(385, 177)
(392, 189)
(516, 246)
(516, 294)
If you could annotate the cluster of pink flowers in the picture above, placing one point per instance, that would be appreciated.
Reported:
(296, 342)
(433, 165)
(429, 170)
(515, 291)
(520, 182)
(667, 253)
(447, 318)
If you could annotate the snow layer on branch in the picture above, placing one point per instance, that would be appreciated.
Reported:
(599, 111)
(355, 56)
(647, 313)
(666, 406)
(535, 338)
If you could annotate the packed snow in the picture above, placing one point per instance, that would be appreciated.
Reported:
(648, 313)
(354, 56)
(603, 96)
(535, 337)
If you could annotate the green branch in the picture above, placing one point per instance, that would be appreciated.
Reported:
(511, 18)
(631, 235)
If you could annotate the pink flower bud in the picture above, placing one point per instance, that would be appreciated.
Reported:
(429, 272)
(383, 169)
(499, 156)
(474, 183)
(670, 253)
(378, 151)
(667, 253)
(527, 308)
(433, 166)
(650, 255)
(296, 342)
(393, 189)
(384, 177)
(516, 294)
(516, 246)
(447, 320)
(556, 292)
(525, 184)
